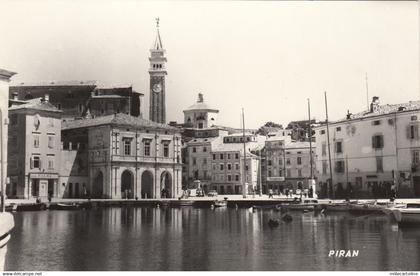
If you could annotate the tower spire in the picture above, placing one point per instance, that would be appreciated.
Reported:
(158, 40)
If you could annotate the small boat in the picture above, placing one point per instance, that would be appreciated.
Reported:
(11, 208)
(182, 203)
(64, 206)
(371, 207)
(306, 206)
(32, 207)
(406, 215)
(336, 207)
(220, 203)
(273, 222)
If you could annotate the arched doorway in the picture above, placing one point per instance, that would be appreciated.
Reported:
(127, 184)
(97, 189)
(147, 185)
(166, 185)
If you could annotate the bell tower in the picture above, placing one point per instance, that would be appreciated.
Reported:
(157, 71)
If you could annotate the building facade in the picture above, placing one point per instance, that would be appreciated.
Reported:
(229, 159)
(371, 151)
(34, 149)
(128, 157)
(200, 115)
(287, 164)
(5, 76)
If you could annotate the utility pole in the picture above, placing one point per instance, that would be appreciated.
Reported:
(310, 138)
(3, 163)
(328, 144)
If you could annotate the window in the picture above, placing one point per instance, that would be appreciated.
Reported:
(377, 141)
(299, 160)
(414, 118)
(324, 149)
(339, 147)
(376, 122)
(413, 132)
(288, 161)
(214, 167)
(204, 161)
(214, 156)
(299, 172)
(36, 141)
(228, 156)
(50, 142)
(36, 162)
(194, 149)
(229, 177)
(222, 167)
(322, 132)
(165, 150)
(338, 129)
(229, 167)
(236, 177)
(221, 156)
(415, 157)
(246, 167)
(146, 147)
(281, 162)
(339, 166)
(379, 164)
(324, 167)
(50, 164)
(127, 146)
(194, 161)
(204, 149)
(237, 166)
(269, 162)
(269, 173)
(236, 155)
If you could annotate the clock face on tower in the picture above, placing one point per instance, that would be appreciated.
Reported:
(157, 87)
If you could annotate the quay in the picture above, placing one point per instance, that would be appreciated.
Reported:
(200, 202)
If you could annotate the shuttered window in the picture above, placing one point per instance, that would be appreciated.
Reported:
(377, 141)
(413, 132)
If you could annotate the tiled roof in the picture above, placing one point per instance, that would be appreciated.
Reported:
(36, 104)
(298, 144)
(383, 110)
(116, 119)
(201, 106)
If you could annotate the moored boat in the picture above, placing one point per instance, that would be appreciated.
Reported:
(64, 206)
(220, 203)
(32, 207)
(406, 215)
(182, 203)
(6, 226)
(306, 205)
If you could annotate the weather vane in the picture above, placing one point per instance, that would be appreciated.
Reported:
(157, 22)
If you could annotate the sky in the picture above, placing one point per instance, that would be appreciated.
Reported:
(267, 57)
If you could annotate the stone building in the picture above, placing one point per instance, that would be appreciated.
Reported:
(286, 164)
(228, 163)
(127, 157)
(200, 115)
(371, 151)
(80, 99)
(5, 76)
(34, 149)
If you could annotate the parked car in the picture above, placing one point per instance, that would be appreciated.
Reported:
(212, 193)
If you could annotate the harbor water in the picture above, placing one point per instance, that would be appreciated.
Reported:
(148, 239)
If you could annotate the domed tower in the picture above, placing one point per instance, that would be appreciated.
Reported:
(200, 115)
(157, 73)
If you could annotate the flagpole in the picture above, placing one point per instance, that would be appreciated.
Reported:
(328, 144)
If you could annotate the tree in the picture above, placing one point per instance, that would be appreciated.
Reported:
(269, 127)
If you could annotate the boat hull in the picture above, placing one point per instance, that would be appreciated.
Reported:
(6, 225)
(407, 216)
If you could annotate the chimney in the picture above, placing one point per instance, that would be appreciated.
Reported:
(348, 116)
(15, 96)
(46, 98)
(200, 98)
(374, 106)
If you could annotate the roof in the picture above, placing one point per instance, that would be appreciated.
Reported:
(158, 41)
(201, 105)
(382, 110)
(298, 144)
(251, 145)
(36, 104)
(116, 119)
(58, 83)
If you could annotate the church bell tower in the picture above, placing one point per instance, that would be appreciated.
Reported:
(157, 71)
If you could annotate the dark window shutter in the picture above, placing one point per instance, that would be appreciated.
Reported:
(31, 161)
(373, 142)
(416, 132)
(408, 132)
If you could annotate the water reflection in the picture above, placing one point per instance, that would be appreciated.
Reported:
(204, 239)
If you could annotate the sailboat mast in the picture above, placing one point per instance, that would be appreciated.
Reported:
(328, 144)
(244, 169)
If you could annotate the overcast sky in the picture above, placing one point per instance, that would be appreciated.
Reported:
(267, 57)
